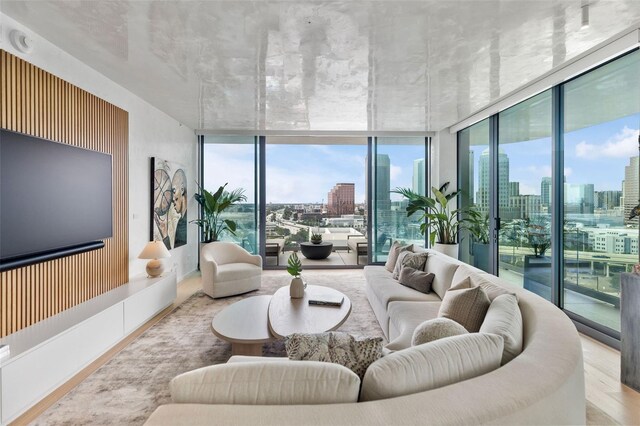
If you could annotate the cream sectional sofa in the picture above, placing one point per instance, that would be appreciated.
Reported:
(542, 385)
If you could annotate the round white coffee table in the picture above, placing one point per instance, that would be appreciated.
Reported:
(288, 316)
(244, 325)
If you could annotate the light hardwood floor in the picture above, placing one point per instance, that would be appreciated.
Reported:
(601, 364)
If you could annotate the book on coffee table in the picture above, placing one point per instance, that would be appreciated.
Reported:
(326, 300)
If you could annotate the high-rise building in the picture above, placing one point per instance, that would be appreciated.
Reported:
(630, 189)
(545, 192)
(579, 198)
(471, 188)
(341, 199)
(514, 189)
(382, 187)
(524, 206)
(418, 177)
(482, 197)
(607, 200)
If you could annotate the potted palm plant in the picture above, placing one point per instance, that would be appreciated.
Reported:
(477, 223)
(437, 217)
(212, 224)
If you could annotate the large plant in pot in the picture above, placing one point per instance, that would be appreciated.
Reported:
(477, 223)
(437, 217)
(213, 205)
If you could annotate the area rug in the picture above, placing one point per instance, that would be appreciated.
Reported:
(127, 389)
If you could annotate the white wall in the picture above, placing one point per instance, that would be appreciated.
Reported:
(151, 133)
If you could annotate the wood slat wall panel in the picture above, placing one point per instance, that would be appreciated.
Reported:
(43, 105)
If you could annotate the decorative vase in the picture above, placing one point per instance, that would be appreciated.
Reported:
(448, 249)
(296, 288)
(316, 241)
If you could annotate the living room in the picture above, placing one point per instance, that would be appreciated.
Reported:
(327, 118)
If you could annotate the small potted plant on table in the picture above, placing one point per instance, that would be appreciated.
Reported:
(296, 288)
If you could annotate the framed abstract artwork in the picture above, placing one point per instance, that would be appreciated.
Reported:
(168, 203)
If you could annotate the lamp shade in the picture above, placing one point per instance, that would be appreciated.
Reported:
(154, 250)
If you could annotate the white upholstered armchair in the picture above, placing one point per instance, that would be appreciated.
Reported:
(228, 269)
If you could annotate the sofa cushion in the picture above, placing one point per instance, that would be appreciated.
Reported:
(432, 365)
(435, 329)
(267, 383)
(237, 271)
(387, 290)
(443, 270)
(466, 306)
(505, 319)
(415, 279)
(489, 283)
(404, 318)
(336, 347)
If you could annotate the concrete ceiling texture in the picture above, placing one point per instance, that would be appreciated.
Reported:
(307, 66)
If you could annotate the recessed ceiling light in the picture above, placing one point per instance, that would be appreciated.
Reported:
(584, 8)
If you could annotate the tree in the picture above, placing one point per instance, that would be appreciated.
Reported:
(287, 213)
(273, 217)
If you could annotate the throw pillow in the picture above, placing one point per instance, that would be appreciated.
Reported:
(398, 267)
(337, 347)
(435, 329)
(505, 319)
(466, 306)
(394, 251)
(431, 366)
(415, 260)
(415, 279)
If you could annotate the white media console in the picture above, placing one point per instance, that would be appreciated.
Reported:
(47, 354)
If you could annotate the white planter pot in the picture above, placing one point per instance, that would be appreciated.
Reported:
(448, 249)
(296, 288)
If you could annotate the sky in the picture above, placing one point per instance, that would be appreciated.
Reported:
(596, 154)
(304, 173)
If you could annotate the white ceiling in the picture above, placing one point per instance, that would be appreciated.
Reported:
(323, 66)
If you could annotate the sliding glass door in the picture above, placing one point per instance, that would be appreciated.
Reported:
(473, 180)
(559, 175)
(524, 194)
(601, 121)
(397, 162)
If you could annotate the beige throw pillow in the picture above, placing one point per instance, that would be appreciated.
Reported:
(505, 319)
(435, 329)
(415, 279)
(394, 251)
(337, 347)
(431, 366)
(466, 306)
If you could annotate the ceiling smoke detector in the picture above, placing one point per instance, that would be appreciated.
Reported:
(21, 41)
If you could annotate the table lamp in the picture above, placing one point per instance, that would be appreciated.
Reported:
(154, 250)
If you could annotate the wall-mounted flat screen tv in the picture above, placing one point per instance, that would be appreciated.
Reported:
(55, 199)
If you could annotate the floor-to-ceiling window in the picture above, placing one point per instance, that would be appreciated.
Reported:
(566, 160)
(524, 194)
(316, 185)
(397, 162)
(232, 160)
(473, 181)
(601, 120)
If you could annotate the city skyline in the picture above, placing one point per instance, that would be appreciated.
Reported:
(303, 173)
(590, 154)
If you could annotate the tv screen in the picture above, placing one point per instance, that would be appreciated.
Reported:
(53, 196)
